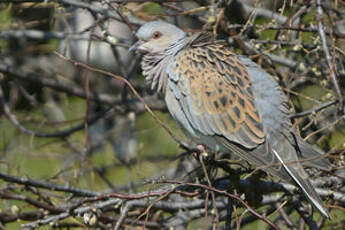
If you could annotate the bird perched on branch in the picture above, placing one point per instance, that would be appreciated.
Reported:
(226, 102)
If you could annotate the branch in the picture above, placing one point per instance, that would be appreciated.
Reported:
(44, 35)
(329, 60)
(314, 110)
(58, 85)
(266, 13)
(63, 133)
(50, 186)
(282, 27)
(225, 193)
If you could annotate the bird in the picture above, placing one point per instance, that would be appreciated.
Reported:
(226, 102)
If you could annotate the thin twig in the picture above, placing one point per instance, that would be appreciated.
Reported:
(222, 192)
(209, 184)
(314, 110)
(63, 133)
(135, 92)
(331, 65)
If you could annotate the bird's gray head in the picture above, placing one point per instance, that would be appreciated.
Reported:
(157, 36)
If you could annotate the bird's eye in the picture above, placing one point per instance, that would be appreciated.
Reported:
(156, 35)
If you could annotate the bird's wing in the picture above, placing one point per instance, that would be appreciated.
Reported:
(283, 145)
(214, 92)
(273, 107)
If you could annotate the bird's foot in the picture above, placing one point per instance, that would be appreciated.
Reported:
(201, 150)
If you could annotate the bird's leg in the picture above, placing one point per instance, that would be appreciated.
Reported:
(200, 149)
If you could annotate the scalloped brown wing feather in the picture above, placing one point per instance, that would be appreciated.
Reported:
(215, 93)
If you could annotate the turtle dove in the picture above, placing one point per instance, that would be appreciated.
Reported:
(225, 101)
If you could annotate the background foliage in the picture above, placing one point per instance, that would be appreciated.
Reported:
(78, 148)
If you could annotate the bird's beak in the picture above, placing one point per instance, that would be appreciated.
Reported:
(135, 46)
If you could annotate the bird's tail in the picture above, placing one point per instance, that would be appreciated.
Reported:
(300, 177)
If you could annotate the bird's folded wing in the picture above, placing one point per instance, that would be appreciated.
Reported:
(214, 91)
